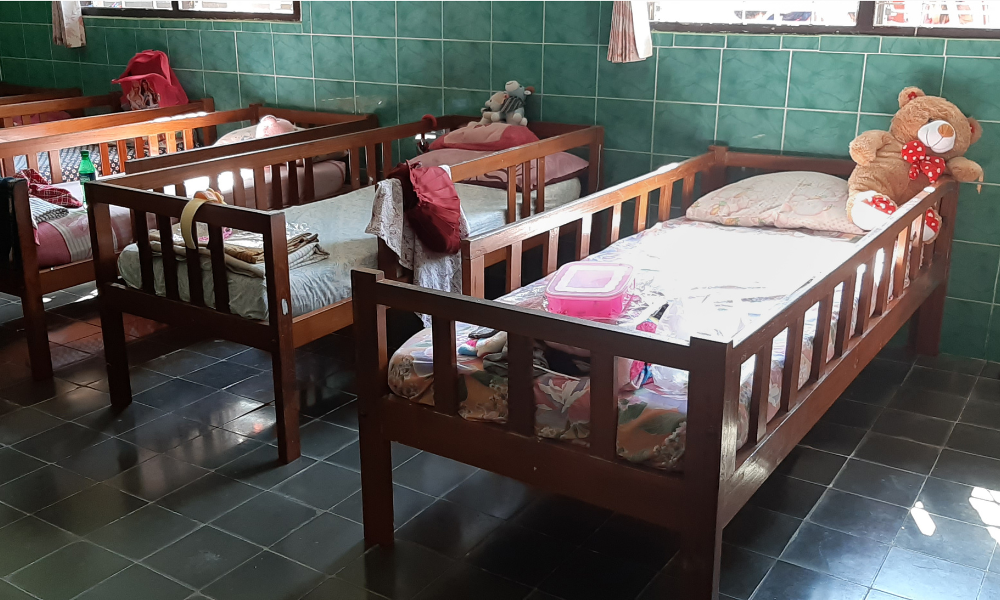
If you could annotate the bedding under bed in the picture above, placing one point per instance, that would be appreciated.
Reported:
(729, 276)
(340, 223)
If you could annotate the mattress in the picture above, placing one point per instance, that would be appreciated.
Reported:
(66, 240)
(69, 159)
(340, 223)
(727, 279)
(328, 178)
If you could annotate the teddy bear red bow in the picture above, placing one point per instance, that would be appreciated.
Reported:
(915, 153)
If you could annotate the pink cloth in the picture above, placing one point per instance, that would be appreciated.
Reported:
(54, 248)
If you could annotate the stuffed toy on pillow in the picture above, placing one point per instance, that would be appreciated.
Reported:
(271, 125)
(927, 139)
(507, 106)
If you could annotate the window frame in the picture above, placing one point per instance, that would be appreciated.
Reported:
(176, 12)
(865, 26)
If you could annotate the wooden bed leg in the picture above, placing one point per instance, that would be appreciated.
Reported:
(16, 190)
(286, 402)
(925, 328)
(116, 357)
(702, 555)
(376, 481)
(37, 333)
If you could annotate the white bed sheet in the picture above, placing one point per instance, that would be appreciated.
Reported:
(340, 222)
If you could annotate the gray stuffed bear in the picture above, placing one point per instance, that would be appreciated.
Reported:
(508, 105)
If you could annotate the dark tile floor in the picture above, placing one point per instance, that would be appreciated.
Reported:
(893, 495)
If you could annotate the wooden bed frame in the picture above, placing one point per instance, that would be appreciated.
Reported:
(718, 477)
(23, 278)
(11, 93)
(282, 332)
(73, 105)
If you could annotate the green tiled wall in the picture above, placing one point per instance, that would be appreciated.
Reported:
(401, 60)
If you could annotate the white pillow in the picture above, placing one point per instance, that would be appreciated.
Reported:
(237, 135)
(788, 200)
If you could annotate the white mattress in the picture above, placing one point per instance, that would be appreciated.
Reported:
(340, 223)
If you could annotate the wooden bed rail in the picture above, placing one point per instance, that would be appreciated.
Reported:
(15, 94)
(73, 105)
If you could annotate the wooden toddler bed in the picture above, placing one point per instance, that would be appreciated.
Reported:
(163, 289)
(24, 113)
(53, 263)
(11, 93)
(893, 279)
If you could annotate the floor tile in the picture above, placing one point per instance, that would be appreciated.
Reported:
(493, 494)
(984, 413)
(32, 392)
(959, 501)
(763, 531)
(164, 433)
(262, 468)
(852, 414)
(786, 581)
(14, 464)
(968, 468)
(974, 440)
(991, 587)
(432, 474)
(928, 402)
(59, 442)
(43, 487)
(218, 408)
(265, 577)
(221, 374)
(898, 453)
(79, 566)
(143, 532)
(74, 404)
(258, 359)
(25, 541)
(951, 362)
(940, 381)
(345, 416)
(9, 514)
(913, 426)
(400, 572)
(214, 449)
(742, 571)
(786, 495)
(448, 528)
(832, 437)
(877, 382)
(327, 543)
(811, 465)
(265, 519)
(90, 509)
(136, 579)
(202, 557)
(879, 482)
(588, 575)
(563, 517)
(321, 485)
(634, 540)
(349, 456)
(220, 349)
(406, 504)
(860, 516)
(179, 363)
(987, 389)
(22, 424)
(913, 575)
(208, 497)
(466, 581)
(157, 477)
(321, 439)
(112, 421)
(835, 553)
(258, 424)
(259, 387)
(106, 459)
(340, 590)
(173, 394)
(9, 592)
(951, 540)
(520, 554)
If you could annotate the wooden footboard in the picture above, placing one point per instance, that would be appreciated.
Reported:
(718, 474)
(73, 105)
(16, 94)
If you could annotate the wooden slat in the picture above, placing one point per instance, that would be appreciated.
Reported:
(141, 229)
(259, 189)
(513, 279)
(154, 145)
(793, 359)
(898, 262)
(512, 194)
(308, 180)
(171, 139)
(663, 209)
(169, 259)
(614, 224)
(603, 405)
(239, 189)
(371, 164)
(445, 366)
(220, 280)
(189, 139)
(386, 148)
(845, 315)
(122, 147)
(473, 283)
(520, 394)
(277, 198)
(540, 183)
(55, 166)
(821, 339)
(33, 161)
(293, 183)
(688, 191)
(583, 237)
(354, 162)
(885, 281)
(865, 299)
(106, 160)
(759, 394)
(550, 250)
(525, 189)
(917, 249)
(213, 181)
(180, 190)
(641, 208)
(196, 291)
(140, 148)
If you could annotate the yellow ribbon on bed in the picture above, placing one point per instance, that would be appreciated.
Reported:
(187, 215)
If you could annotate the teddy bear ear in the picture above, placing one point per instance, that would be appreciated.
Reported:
(529, 90)
(977, 130)
(909, 93)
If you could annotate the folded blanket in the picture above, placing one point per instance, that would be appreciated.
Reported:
(39, 187)
(42, 211)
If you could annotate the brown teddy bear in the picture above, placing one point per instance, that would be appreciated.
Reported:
(926, 139)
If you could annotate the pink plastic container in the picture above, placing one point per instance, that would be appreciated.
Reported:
(590, 290)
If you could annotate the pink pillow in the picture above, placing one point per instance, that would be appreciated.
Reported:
(560, 166)
(495, 136)
(270, 125)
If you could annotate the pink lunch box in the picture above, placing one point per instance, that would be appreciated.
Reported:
(591, 290)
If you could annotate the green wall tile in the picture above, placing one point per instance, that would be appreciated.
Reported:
(12, 41)
(40, 73)
(67, 74)
(965, 327)
(10, 12)
(628, 124)
(819, 132)
(972, 84)
(973, 272)
(375, 18)
(622, 166)
(15, 70)
(518, 62)
(800, 42)
(697, 40)
(96, 79)
(184, 48)
(993, 337)
(257, 89)
(604, 31)
(121, 46)
(36, 12)
(295, 93)
(570, 70)
(688, 75)
(333, 57)
(635, 80)
(751, 128)
(754, 77)
(233, 25)
(660, 39)
(572, 22)
(518, 21)
(565, 109)
(420, 62)
(375, 59)
(870, 122)
(415, 102)
(683, 129)
(218, 49)
(256, 26)
(467, 20)
(201, 25)
(838, 88)
(849, 43)
(38, 42)
(771, 42)
(978, 214)
(379, 99)
(886, 75)
(331, 17)
(989, 48)
(255, 52)
(293, 55)
(463, 102)
(193, 83)
(61, 53)
(335, 96)
(907, 45)
(150, 39)
(467, 65)
(96, 50)
(419, 19)
(986, 152)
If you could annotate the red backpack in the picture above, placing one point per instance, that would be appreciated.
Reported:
(149, 82)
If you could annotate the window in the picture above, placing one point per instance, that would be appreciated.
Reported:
(195, 9)
(962, 18)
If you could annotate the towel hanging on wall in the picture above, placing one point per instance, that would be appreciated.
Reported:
(630, 38)
(67, 25)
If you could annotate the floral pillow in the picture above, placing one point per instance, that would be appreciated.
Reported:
(787, 200)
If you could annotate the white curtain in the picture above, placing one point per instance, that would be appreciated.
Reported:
(630, 37)
(67, 25)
